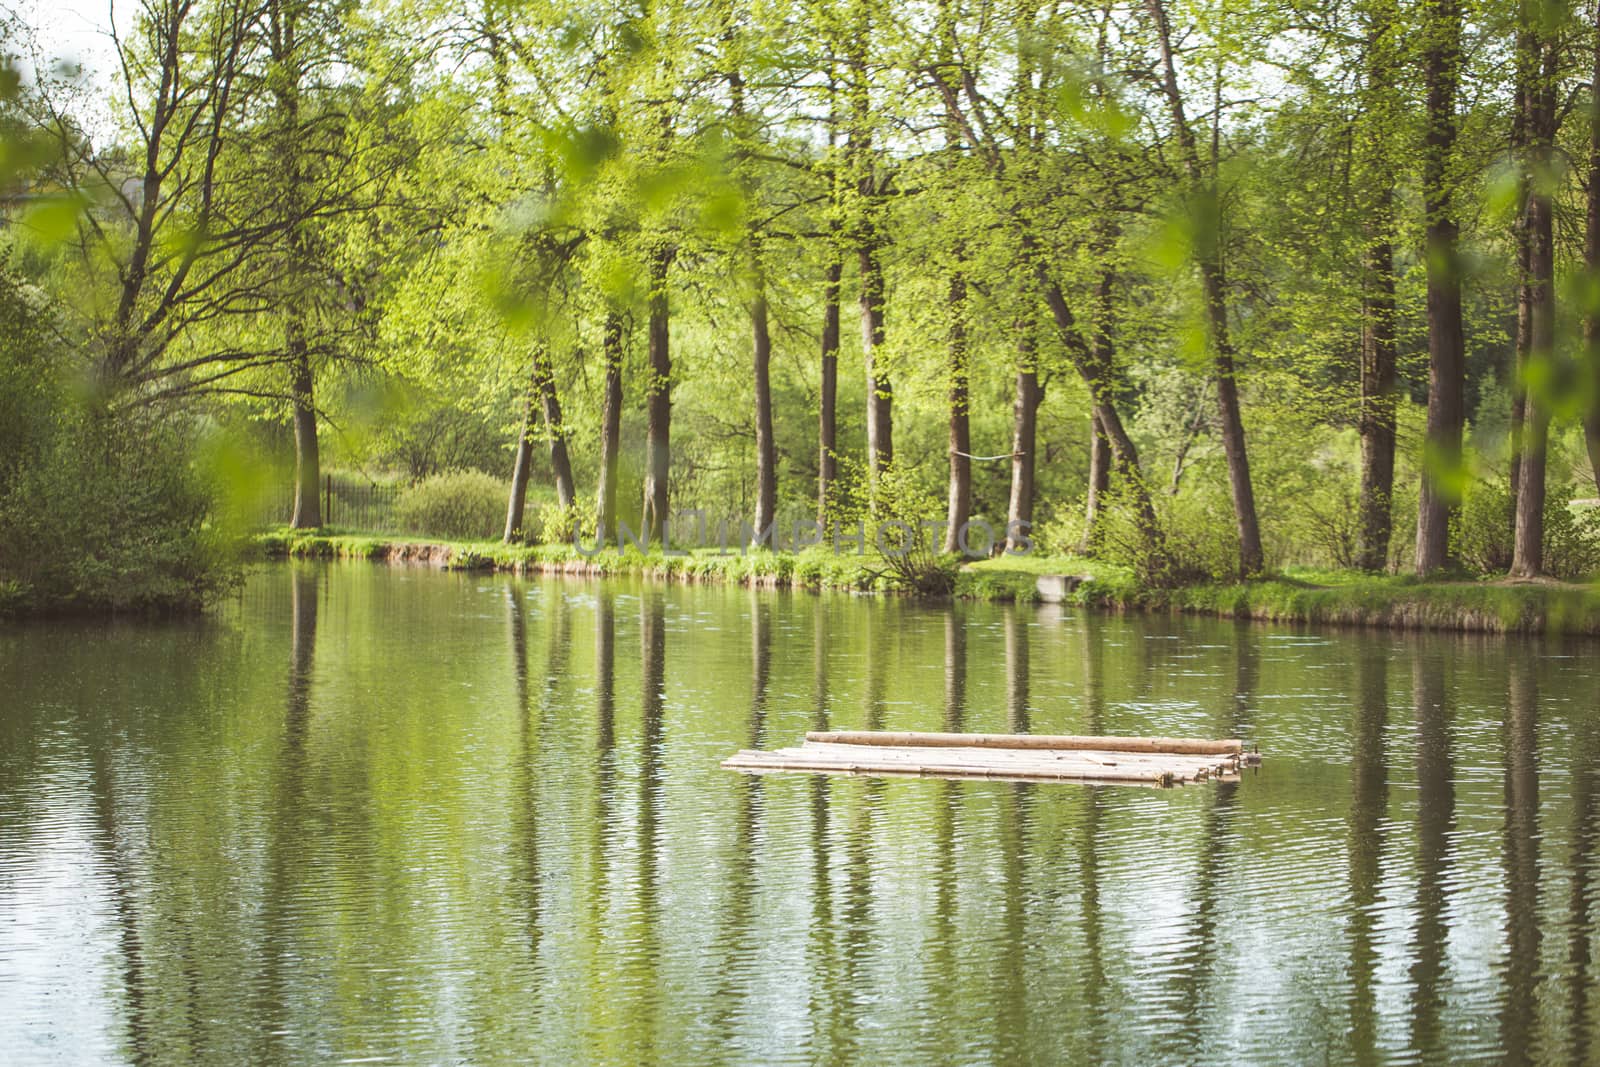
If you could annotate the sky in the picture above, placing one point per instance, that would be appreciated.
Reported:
(75, 29)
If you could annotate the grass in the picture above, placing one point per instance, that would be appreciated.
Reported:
(1298, 595)
(811, 569)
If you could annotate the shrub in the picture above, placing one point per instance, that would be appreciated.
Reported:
(1332, 522)
(559, 526)
(1571, 539)
(1481, 531)
(1061, 534)
(111, 515)
(1482, 536)
(461, 505)
(1198, 543)
(906, 556)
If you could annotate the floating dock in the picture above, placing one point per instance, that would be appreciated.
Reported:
(1163, 761)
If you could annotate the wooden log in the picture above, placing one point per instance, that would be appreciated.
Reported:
(1179, 745)
(1179, 764)
(796, 760)
(986, 776)
(1005, 762)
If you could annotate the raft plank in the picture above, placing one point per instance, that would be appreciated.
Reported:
(1016, 757)
(1165, 745)
(1178, 764)
(798, 760)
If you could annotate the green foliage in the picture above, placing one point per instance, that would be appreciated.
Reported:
(561, 526)
(111, 515)
(1571, 540)
(99, 510)
(424, 223)
(1482, 535)
(905, 541)
(1198, 542)
(460, 504)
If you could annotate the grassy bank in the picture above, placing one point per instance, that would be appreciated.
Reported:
(1340, 598)
(1299, 596)
(805, 570)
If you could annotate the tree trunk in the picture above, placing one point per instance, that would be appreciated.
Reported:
(1528, 547)
(1097, 376)
(1024, 439)
(766, 449)
(1525, 76)
(1446, 359)
(1378, 357)
(284, 49)
(610, 431)
(1214, 279)
(1099, 483)
(307, 461)
(880, 395)
(1591, 263)
(1379, 352)
(828, 417)
(1104, 352)
(959, 506)
(867, 239)
(1240, 486)
(1519, 354)
(541, 389)
(521, 470)
(544, 379)
(658, 404)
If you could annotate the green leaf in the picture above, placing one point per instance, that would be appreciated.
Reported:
(54, 218)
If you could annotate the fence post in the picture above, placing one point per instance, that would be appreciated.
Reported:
(327, 501)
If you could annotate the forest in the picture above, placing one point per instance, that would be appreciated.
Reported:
(1205, 288)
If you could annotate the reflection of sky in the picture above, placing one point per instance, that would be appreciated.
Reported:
(55, 914)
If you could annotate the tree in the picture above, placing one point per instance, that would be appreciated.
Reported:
(980, 123)
(1440, 38)
(1204, 203)
(1591, 258)
(1379, 350)
(1540, 37)
(171, 230)
(958, 508)
(867, 235)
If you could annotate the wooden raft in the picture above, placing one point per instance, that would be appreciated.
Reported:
(1023, 757)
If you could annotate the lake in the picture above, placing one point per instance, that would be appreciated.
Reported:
(373, 814)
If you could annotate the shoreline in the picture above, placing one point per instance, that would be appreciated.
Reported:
(1341, 600)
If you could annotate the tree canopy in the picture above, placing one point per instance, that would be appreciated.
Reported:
(1206, 286)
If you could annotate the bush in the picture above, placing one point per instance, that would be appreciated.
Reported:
(1571, 539)
(1199, 542)
(113, 515)
(99, 510)
(1481, 533)
(461, 505)
(1061, 534)
(559, 526)
(1482, 536)
(1332, 522)
(906, 556)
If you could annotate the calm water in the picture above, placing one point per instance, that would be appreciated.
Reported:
(377, 814)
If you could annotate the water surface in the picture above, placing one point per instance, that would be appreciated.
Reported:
(376, 814)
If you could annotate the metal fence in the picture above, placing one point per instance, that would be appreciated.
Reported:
(349, 502)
